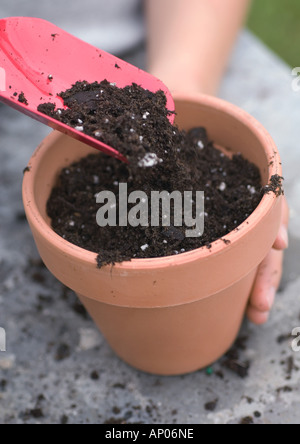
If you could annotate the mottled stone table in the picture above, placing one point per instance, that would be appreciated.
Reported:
(59, 369)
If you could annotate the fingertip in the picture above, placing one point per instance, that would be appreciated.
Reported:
(282, 240)
(263, 298)
(257, 317)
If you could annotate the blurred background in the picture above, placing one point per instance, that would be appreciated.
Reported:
(276, 23)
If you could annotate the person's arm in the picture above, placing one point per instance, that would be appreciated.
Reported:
(190, 41)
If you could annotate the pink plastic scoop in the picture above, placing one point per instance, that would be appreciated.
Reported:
(41, 60)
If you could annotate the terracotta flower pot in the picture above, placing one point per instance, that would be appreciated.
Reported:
(176, 314)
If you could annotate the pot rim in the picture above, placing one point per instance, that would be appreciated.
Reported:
(217, 247)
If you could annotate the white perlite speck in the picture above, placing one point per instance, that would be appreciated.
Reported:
(149, 160)
(222, 186)
(200, 145)
(144, 247)
(79, 128)
(251, 189)
(146, 115)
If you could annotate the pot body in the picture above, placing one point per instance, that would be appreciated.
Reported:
(176, 314)
(178, 339)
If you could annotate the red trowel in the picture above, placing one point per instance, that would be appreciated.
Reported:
(41, 60)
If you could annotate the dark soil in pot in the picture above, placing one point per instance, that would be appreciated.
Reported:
(161, 158)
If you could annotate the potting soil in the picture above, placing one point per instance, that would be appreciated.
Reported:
(161, 158)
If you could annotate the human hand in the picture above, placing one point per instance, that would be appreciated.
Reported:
(269, 275)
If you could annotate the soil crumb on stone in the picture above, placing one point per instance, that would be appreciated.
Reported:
(161, 158)
(247, 420)
(63, 352)
(233, 360)
(64, 420)
(212, 405)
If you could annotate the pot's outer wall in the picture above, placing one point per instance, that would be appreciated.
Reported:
(174, 340)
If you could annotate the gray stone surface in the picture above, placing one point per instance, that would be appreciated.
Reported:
(58, 368)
